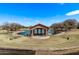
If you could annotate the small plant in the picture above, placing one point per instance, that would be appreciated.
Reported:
(10, 39)
(67, 38)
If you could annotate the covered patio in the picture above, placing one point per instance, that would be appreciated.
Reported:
(39, 30)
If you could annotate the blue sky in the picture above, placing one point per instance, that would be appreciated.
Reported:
(45, 13)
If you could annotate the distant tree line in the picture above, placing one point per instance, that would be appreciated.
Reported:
(56, 27)
(64, 26)
(11, 26)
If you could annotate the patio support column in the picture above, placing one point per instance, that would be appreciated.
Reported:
(32, 33)
(46, 32)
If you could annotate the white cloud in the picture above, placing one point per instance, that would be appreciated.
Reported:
(73, 13)
(38, 21)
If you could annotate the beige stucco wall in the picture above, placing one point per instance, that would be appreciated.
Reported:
(39, 27)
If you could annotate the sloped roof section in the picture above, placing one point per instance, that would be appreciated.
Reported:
(39, 25)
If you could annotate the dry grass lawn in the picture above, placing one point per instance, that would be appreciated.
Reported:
(53, 43)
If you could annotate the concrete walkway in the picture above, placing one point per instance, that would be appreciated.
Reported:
(40, 37)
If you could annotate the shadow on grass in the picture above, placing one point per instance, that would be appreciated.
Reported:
(75, 53)
(20, 52)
